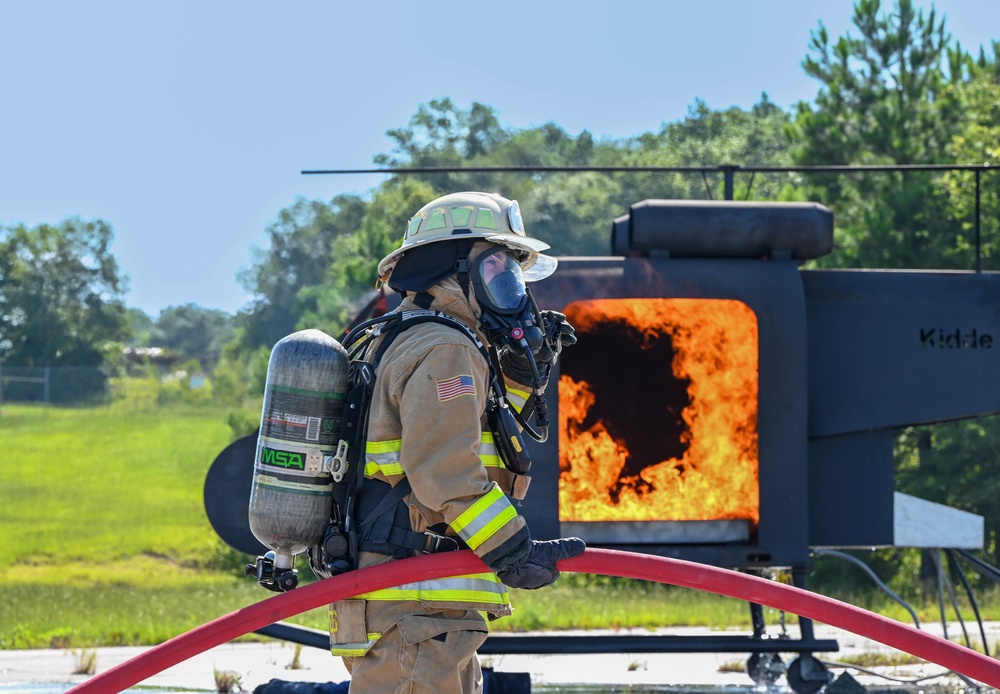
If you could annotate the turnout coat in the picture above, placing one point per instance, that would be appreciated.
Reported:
(427, 425)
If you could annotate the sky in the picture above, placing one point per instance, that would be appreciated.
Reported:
(186, 124)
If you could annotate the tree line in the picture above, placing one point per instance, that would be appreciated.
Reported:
(896, 89)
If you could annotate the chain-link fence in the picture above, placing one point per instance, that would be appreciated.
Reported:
(55, 385)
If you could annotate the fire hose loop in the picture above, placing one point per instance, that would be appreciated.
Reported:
(604, 562)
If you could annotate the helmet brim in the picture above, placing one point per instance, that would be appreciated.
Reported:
(538, 266)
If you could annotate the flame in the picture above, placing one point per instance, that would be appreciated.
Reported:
(715, 351)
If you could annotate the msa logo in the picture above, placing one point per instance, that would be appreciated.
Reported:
(283, 458)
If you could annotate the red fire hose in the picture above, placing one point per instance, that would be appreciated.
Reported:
(594, 561)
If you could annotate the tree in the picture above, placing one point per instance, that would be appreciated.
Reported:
(977, 143)
(442, 135)
(193, 332)
(349, 281)
(570, 211)
(574, 212)
(62, 294)
(887, 97)
(301, 250)
(706, 137)
(989, 66)
(140, 327)
(61, 302)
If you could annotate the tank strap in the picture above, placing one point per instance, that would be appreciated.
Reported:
(386, 528)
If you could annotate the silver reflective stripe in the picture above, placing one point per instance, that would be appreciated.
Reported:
(383, 456)
(481, 520)
(488, 451)
(517, 398)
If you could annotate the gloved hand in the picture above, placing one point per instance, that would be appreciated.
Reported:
(558, 333)
(537, 568)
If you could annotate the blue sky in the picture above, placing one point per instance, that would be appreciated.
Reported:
(186, 124)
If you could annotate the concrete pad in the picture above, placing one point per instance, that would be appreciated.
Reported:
(258, 663)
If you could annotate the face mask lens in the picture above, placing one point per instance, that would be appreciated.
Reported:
(502, 281)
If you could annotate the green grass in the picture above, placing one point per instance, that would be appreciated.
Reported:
(106, 541)
(78, 616)
(105, 485)
(592, 602)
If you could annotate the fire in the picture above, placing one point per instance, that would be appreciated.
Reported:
(712, 474)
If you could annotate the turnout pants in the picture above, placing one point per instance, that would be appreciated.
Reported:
(427, 653)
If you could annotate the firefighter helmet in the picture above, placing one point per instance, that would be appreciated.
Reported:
(475, 216)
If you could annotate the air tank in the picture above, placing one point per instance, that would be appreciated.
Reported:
(291, 497)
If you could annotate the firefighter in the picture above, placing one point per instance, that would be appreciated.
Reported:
(466, 255)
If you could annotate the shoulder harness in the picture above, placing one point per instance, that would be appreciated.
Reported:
(378, 520)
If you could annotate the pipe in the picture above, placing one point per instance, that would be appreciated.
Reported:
(956, 569)
(605, 562)
(872, 575)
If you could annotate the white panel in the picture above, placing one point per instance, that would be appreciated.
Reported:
(922, 523)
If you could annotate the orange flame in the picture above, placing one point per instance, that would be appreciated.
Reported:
(715, 350)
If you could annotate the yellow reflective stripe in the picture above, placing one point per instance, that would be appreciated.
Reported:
(483, 588)
(355, 649)
(377, 447)
(371, 467)
(517, 398)
(488, 451)
(481, 520)
(383, 456)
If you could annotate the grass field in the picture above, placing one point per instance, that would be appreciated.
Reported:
(106, 541)
(105, 485)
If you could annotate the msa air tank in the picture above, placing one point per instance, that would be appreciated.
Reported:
(299, 432)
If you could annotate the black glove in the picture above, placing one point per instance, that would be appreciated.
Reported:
(558, 333)
(537, 568)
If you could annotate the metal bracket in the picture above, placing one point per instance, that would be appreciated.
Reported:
(336, 464)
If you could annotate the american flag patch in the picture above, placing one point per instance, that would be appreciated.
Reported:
(456, 386)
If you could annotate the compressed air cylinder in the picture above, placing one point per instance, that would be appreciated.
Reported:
(299, 431)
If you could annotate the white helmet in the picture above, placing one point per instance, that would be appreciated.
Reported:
(471, 215)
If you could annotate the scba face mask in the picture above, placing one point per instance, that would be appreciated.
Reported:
(509, 314)
(510, 321)
(499, 282)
